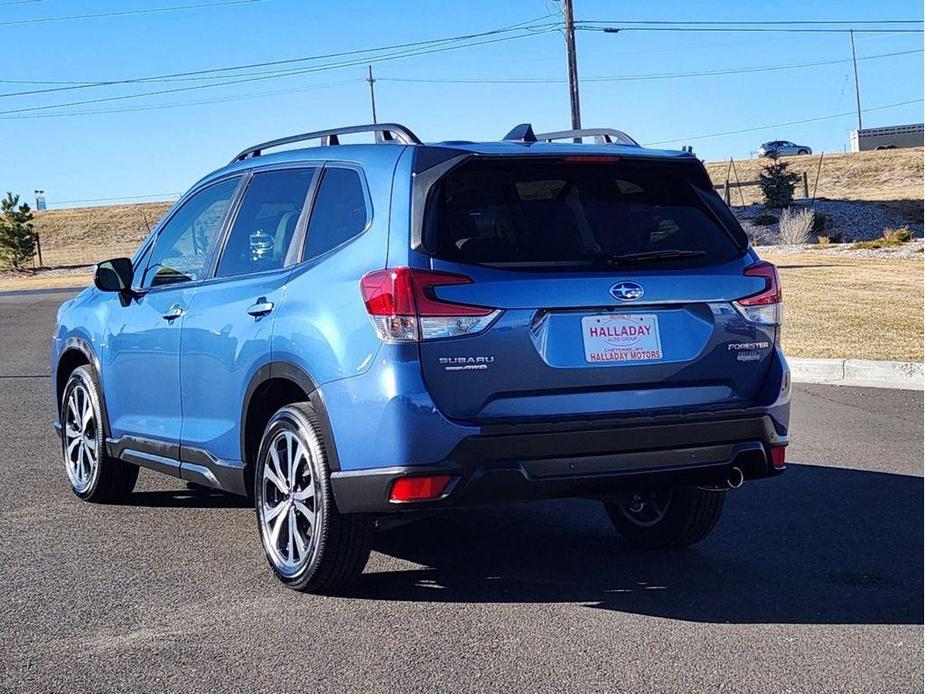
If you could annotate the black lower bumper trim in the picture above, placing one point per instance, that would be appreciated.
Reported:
(501, 468)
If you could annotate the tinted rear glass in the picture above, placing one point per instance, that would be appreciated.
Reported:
(570, 215)
(339, 213)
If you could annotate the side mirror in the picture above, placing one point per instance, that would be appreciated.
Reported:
(114, 275)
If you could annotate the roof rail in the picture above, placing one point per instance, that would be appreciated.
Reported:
(385, 132)
(602, 136)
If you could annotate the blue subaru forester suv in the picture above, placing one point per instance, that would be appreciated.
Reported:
(353, 330)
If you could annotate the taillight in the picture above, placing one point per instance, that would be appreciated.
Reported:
(765, 307)
(403, 306)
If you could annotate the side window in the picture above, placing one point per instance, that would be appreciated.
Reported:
(266, 222)
(184, 243)
(339, 212)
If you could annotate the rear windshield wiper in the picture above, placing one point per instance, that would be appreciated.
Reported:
(647, 256)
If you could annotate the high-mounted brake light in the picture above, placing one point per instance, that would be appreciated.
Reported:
(404, 307)
(591, 158)
(766, 306)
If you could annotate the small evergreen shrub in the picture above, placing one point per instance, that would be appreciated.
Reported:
(777, 184)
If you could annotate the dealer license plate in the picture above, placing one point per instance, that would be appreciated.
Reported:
(611, 337)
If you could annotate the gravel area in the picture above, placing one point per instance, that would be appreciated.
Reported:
(853, 221)
(912, 250)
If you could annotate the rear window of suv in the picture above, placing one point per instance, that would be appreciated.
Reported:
(570, 215)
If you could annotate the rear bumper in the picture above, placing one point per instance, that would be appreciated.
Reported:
(508, 463)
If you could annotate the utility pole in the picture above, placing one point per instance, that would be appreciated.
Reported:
(372, 92)
(572, 64)
(857, 88)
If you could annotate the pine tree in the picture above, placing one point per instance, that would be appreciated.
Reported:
(17, 237)
(777, 183)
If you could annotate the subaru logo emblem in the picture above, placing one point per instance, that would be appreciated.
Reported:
(626, 291)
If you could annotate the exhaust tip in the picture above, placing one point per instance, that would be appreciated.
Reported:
(736, 478)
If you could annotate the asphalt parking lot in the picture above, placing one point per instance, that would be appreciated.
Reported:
(812, 582)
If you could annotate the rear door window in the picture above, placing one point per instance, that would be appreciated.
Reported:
(339, 213)
(573, 215)
(266, 222)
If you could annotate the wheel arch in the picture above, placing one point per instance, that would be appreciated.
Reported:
(273, 386)
(77, 352)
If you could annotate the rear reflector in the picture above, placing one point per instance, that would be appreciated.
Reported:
(404, 307)
(428, 488)
(778, 456)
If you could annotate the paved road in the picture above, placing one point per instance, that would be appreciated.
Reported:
(812, 582)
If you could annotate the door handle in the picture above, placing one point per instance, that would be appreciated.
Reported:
(261, 308)
(174, 313)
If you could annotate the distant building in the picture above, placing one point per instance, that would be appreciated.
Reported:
(893, 137)
(40, 200)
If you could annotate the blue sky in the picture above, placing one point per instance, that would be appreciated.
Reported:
(156, 150)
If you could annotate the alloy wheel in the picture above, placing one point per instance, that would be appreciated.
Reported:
(289, 506)
(81, 447)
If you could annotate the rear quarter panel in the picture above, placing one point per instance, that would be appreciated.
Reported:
(323, 327)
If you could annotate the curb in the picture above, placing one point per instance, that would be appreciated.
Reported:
(859, 372)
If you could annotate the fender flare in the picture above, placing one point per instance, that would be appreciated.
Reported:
(290, 372)
(79, 344)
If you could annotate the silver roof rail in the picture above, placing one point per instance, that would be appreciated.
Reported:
(602, 136)
(385, 132)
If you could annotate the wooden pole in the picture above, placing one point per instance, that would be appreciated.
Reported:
(857, 82)
(805, 185)
(38, 248)
(818, 171)
(572, 61)
(738, 185)
(372, 91)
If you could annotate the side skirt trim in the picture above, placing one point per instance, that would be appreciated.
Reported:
(185, 462)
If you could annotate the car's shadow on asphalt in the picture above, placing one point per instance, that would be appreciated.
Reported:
(190, 497)
(819, 545)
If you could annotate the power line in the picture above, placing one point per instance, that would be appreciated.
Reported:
(300, 71)
(521, 26)
(781, 125)
(151, 10)
(722, 29)
(182, 104)
(642, 77)
(684, 22)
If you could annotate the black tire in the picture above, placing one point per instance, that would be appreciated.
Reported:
(688, 515)
(803, 151)
(338, 544)
(109, 479)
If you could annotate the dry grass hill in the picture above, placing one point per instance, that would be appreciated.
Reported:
(85, 235)
(889, 176)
